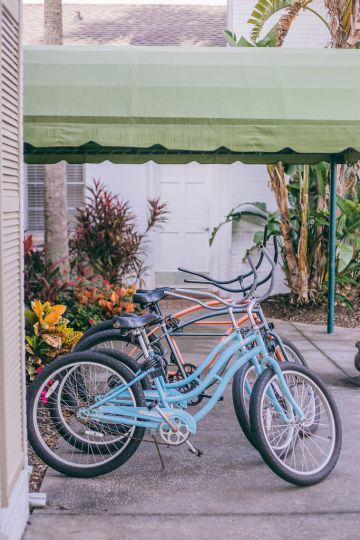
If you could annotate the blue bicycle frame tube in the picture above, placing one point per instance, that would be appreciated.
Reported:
(161, 387)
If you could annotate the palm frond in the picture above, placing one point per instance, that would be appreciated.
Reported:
(263, 10)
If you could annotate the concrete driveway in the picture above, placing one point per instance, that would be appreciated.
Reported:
(228, 493)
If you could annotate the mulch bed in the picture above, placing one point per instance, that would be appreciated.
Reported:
(38, 470)
(51, 436)
(279, 307)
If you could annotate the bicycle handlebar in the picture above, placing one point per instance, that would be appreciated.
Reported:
(240, 278)
(272, 273)
(273, 264)
(227, 303)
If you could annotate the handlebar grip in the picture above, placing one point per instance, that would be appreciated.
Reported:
(217, 285)
(190, 272)
(265, 235)
(276, 249)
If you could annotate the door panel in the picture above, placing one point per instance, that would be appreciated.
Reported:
(183, 241)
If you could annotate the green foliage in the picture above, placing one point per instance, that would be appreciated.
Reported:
(255, 212)
(92, 300)
(106, 239)
(262, 12)
(348, 239)
(347, 232)
(268, 41)
(42, 280)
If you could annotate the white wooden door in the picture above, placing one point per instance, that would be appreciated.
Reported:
(184, 239)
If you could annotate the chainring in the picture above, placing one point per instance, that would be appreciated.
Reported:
(189, 370)
(174, 438)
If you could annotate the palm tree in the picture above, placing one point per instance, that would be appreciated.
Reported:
(344, 29)
(290, 9)
(343, 25)
(344, 16)
(55, 181)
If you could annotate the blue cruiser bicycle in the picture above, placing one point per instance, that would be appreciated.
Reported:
(88, 413)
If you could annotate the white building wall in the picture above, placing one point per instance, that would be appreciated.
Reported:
(250, 184)
(136, 183)
(228, 185)
(129, 181)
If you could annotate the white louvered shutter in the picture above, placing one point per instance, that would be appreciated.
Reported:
(35, 196)
(11, 312)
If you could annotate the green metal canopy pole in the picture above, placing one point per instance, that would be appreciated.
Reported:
(332, 246)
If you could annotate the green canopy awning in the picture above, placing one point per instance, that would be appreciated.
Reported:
(176, 105)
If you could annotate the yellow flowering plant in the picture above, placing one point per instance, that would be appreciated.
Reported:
(47, 335)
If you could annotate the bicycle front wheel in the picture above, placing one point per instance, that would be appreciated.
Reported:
(301, 450)
(58, 433)
(243, 383)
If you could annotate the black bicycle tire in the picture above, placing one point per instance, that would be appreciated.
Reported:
(272, 459)
(290, 344)
(49, 459)
(72, 439)
(238, 397)
(99, 327)
(238, 402)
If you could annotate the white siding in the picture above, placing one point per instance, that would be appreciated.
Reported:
(34, 195)
(128, 181)
(13, 510)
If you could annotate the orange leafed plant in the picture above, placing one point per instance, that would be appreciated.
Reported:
(115, 305)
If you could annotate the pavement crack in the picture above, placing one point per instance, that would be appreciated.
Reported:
(208, 514)
(331, 360)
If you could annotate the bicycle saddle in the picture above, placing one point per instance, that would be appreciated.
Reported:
(131, 323)
(149, 297)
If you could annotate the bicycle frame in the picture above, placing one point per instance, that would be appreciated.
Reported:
(110, 409)
(202, 319)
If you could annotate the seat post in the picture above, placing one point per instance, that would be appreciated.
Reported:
(155, 307)
(144, 343)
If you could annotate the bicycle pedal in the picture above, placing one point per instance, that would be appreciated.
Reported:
(153, 405)
(194, 450)
(209, 397)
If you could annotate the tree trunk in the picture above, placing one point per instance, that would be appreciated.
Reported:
(344, 18)
(53, 32)
(56, 223)
(283, 26)
(303, 237)
(354, 37)
(318, 260)
(55, 181)
(278, 186)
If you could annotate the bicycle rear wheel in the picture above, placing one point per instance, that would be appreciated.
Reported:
(301, 451)
(57, 433)
(293, 354)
